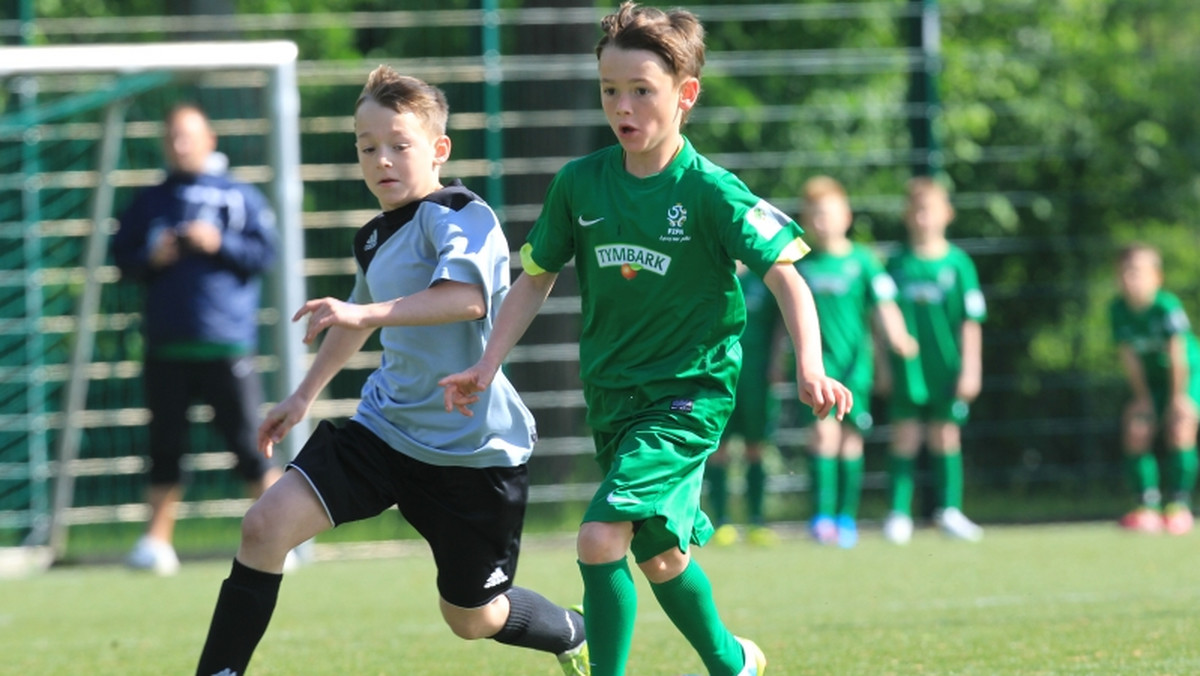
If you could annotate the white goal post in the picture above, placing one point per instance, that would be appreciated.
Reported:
(277, 60)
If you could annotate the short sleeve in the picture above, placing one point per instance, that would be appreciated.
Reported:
(881, 288)
(1175, 319)
(974, 305)
(470, 247)
(753, 230)
(551, 242)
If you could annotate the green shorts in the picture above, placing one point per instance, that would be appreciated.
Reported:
(652, 449)
(939, 407)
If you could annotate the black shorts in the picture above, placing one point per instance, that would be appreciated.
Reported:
(231, 386)
(471, 517)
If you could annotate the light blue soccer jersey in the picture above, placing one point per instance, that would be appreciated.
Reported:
(450, 235)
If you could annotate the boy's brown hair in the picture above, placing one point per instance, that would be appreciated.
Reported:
(1129, 251)
(676, 36)
(819, 187)
(405, 94)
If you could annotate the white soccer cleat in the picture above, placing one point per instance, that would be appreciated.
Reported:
(756, 661)
(956, 524)
(153, 555)
(898, 528)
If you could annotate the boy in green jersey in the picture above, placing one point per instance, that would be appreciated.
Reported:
(1159, 354)
(753, 419)
(944, 308)
(654, 229)
(847, 283)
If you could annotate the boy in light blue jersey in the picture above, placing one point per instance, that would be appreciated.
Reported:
(654, 229)
(432, 269)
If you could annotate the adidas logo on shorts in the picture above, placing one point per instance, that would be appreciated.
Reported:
(496, 578)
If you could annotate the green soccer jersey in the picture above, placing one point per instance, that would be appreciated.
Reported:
(846, 288)
(655, 261)
(1148, 332)
(936, 297)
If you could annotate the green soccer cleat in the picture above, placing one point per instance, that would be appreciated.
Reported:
(575, 662)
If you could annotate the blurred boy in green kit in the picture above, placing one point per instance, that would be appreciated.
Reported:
(1159, 354)
(944, 308)
(849, 285)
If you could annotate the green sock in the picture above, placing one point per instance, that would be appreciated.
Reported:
(756, 488)
(688, 601)
(948, 479)
(850, 474)
(1143, 476)
(900, 471)
(609, 611)
(824, 485)
(1182, 468)
(718, 492)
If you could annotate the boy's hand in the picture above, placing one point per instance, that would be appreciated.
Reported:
(281, 418)
(201, 236)
(969, 386)
(461, 388)
(823, 395)
(1182, 407)
(326, 312)
(907, 347)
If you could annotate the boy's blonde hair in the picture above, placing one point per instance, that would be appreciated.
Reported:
(1133, 249)
(405, 94)
(676, 36)
(819, 187)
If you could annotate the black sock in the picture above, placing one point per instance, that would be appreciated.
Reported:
(534, 622)
(240, 619)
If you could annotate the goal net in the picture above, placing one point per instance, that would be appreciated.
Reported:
(80, 131)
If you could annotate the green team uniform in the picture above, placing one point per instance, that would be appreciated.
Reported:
(936, 296)
(1148, 332)
(756, 410)
(845, 289)
(662, 313)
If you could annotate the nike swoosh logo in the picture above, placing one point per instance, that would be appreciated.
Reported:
(614, 499)
(591, 222)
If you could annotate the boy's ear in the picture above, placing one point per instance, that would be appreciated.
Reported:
(689, 93)
(441, 150)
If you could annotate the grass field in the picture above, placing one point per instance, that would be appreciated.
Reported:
(1062, 599)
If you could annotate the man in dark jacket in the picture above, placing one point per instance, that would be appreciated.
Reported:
(198, 242)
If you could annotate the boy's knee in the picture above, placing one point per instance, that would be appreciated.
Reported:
(472, 623)
(601, 542)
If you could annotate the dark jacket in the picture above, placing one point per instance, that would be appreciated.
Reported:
(205, 298)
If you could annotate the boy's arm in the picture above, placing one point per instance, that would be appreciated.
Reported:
(799, 311)
(1134, 375)
(339, 345)
(891, 321)
(516, 313)
(443, 303)
(1180, 375)
(970, 379)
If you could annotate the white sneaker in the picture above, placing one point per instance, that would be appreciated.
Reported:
(898, 528)
(956, 524)
(153, 555)
(756, 662)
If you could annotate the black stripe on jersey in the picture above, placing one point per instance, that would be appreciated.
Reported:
(377, 231)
